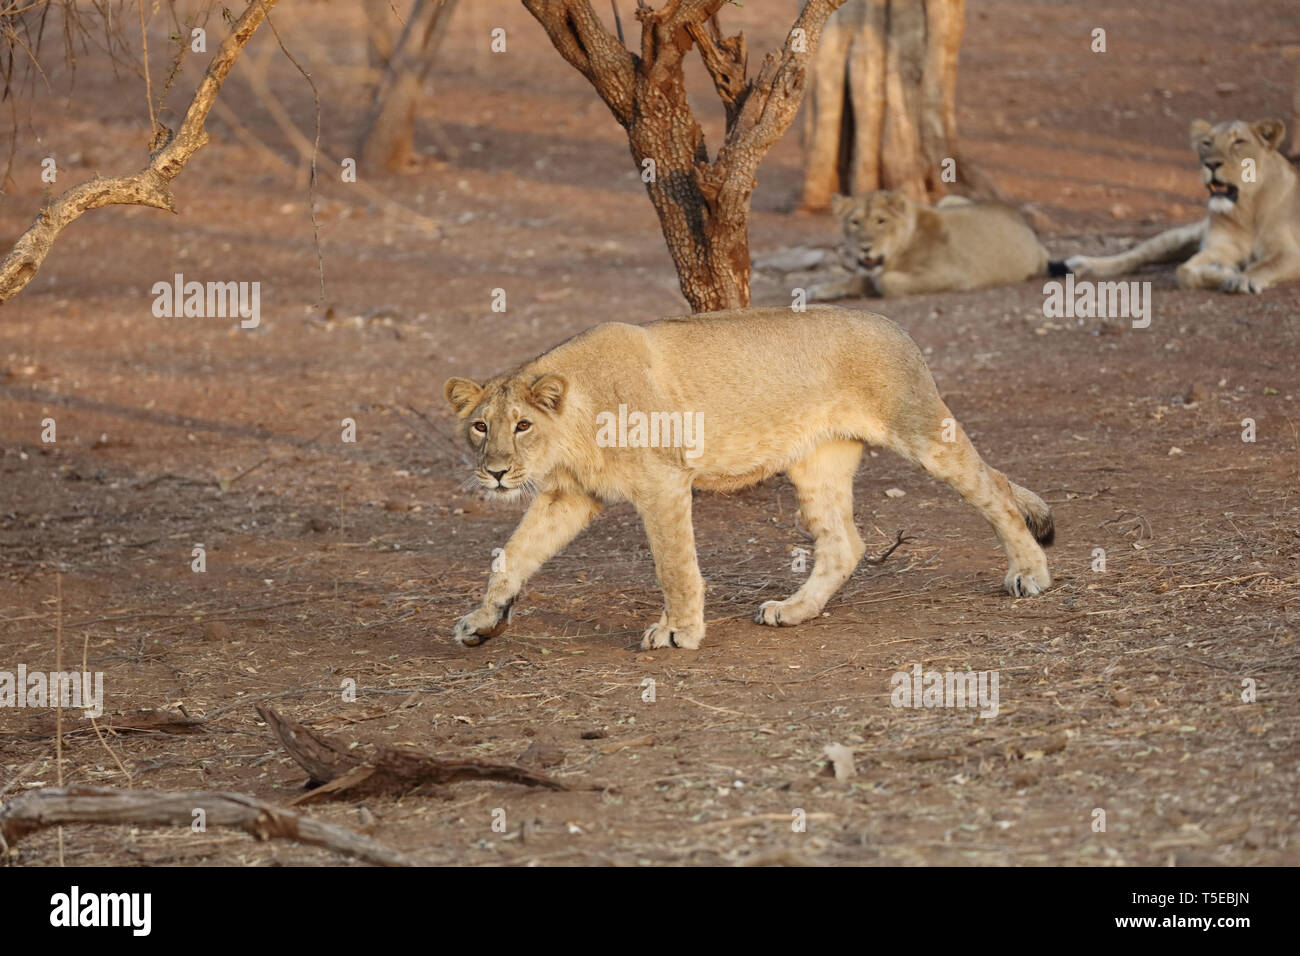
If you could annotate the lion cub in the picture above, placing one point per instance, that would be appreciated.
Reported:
(719, 401)
(899, 247)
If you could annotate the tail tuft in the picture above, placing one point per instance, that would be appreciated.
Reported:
(1038, 517)
(1042, 528)
(1057, 268)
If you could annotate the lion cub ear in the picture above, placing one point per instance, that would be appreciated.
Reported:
(841, 206)
(549, 390)
(1270, 131)
(895, 200)
(462, 394)
(1199, 129)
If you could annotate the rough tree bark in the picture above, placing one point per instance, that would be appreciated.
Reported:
(882, 111)
(149, 187)
(702, 203)
(1295, 117)
(388, 139)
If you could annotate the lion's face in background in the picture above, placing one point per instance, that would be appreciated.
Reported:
(876, 228)
(1233, 156)
(511, 425)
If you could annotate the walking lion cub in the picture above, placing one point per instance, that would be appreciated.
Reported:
(719, 401)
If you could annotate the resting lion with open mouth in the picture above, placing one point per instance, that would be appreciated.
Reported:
(1250, 240)
(719, 401)
(896, 246)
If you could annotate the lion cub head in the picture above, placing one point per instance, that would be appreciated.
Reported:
(511, 424)
(877, 227)
(1233, 155)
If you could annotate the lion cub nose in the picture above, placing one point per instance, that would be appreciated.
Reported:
(498, 475)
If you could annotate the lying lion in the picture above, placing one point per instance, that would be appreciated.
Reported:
(1250, 239)
(738, 396)
(894, 246)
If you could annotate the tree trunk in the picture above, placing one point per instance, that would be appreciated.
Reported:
(702, 204)
(1295, 117)
(883, 115)
(709, 245)
(389, 138)
(379, 35)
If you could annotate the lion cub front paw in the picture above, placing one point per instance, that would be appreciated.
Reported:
(783, 613)
(481, 625)
(1241, 283)
(1027, 583)
(661, 635)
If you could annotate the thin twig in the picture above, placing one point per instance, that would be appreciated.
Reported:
(58, 695)
(148, 84)
(315, 151)
(899, 540)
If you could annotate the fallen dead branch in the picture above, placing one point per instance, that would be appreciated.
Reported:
(333, 769)
(56, 806)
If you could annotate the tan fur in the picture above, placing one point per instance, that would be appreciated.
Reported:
(899, 247)
(774, 391)
(1250, 240)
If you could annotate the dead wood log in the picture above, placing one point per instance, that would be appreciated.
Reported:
(334, 769)
(322, 759)
(58, 806)
(149, 187)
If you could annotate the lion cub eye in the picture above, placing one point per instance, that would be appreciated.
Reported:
(1238, 142)
(880, 222)
(480, 427)
(524, 425)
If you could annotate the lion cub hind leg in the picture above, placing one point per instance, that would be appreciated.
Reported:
(666, 514)
(1011, 510)
(824, 483)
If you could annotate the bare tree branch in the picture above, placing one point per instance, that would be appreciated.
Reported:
(727, 60)
(149, 187)
(581, 38)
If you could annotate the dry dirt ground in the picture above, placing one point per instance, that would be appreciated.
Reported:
(1120, 690)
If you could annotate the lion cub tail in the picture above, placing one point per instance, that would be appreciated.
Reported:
(1038, 517)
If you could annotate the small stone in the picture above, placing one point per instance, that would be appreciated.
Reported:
(541, 754)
